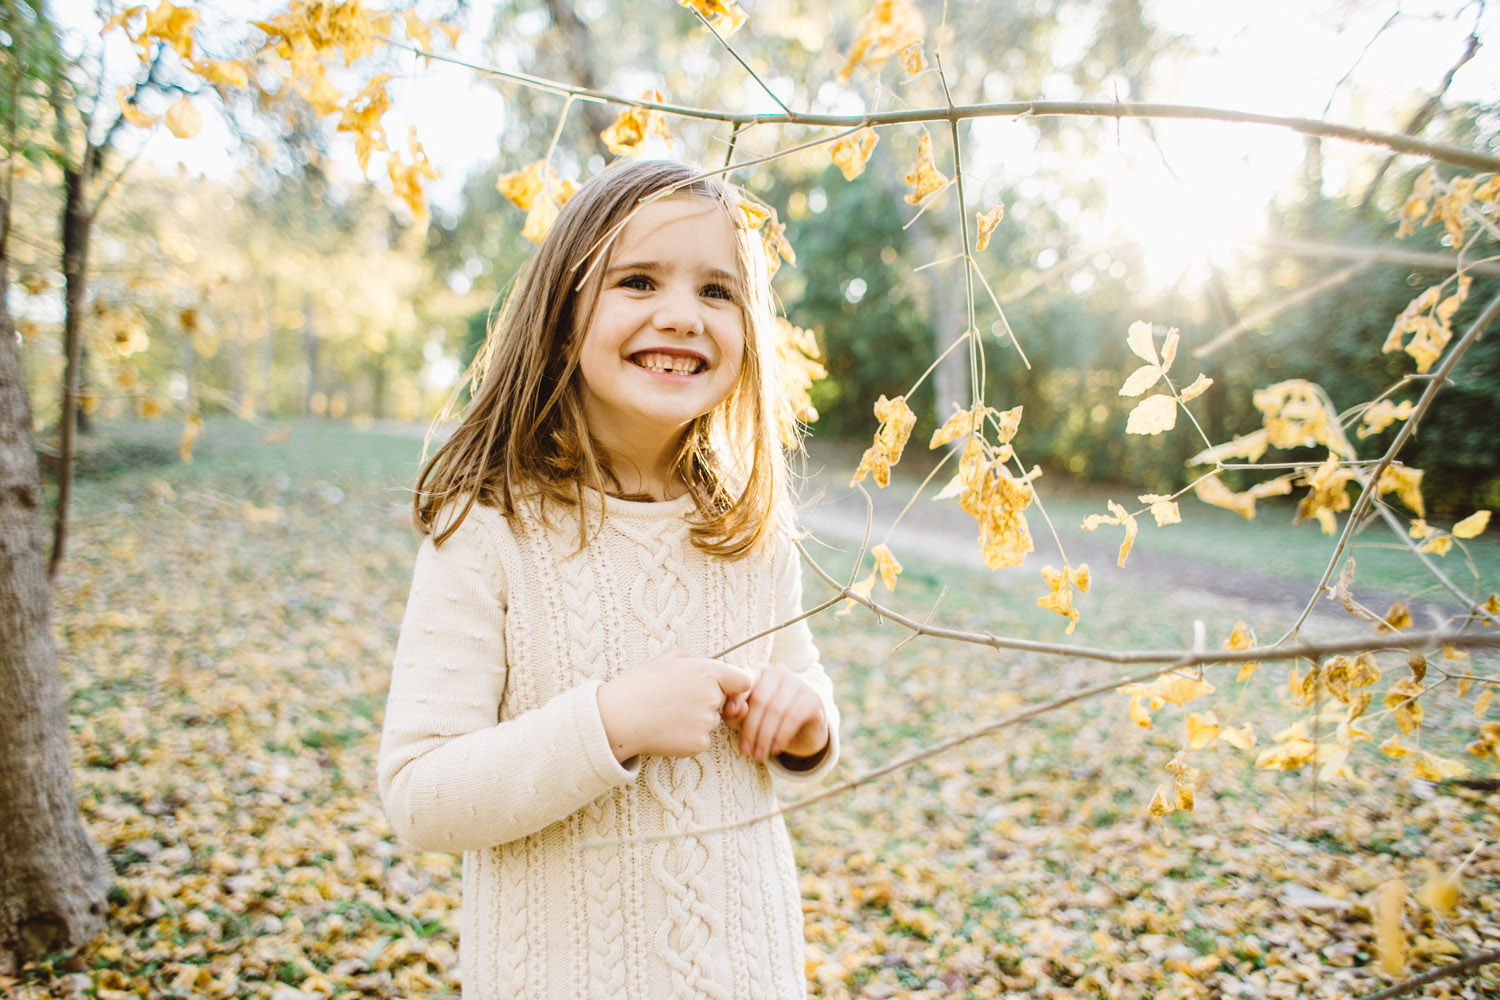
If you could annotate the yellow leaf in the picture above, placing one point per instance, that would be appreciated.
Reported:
(1390, 939)
(1393, 748)
(1152, 415)
(1128, 521)
(132, 114)
(1174, 686)
(1141, 343)
(913, 61)
(886, 565)
(891, 26)
(961, 424)
(987, 223)
(1440, 893)
(1397, 618)
(190, 432)
(1203, 730)
(173, 25)
(925, 178)
(1211, 490)
(522, 186)
(1008, 423)
(1288, 755)
(1163, 801)
(628, 134)
(724, 15)
(451, 30)
(417, 30)
(1164, 509)
(1169, 350)
(1199, 387)
(1240, 637)
(1435, 768)
(1401, 699)
(896, 421)
(544, 212)
(1472, 525)
(1437, 545)
(1482, 703)
(1406, 483)
(1138, 713)
(407, 178)
(1242, 738)
(1140, 380)
(1381, 415)
(861, 587)
(852, 152)
(1060, 593)
(230, 72)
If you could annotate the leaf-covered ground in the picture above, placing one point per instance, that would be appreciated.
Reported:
(225, 630)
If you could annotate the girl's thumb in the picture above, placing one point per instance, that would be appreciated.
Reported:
(734, 680)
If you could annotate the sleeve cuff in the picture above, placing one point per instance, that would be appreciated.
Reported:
(589, 725)
(819, 766)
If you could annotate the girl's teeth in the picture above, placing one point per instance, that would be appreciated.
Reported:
(664, 363)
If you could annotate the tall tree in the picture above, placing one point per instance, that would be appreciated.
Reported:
(52, 875)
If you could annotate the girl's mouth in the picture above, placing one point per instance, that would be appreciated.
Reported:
(664, 363)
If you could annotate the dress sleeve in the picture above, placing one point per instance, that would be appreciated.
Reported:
(793, 647)
(452, 777)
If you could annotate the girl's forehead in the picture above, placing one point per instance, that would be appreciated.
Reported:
(677, 224)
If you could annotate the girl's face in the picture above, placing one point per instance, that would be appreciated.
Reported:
(666, 339)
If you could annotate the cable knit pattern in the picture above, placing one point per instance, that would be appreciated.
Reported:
(493, 746)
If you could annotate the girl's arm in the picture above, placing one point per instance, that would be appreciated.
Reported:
(451, 777)
(793, 648)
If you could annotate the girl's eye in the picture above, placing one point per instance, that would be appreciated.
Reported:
(718, 292)
(639, 282)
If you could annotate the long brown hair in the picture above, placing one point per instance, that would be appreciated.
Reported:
(524, 431)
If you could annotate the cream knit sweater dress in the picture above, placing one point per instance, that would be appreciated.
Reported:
(493, 746)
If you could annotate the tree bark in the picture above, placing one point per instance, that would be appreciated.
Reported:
(53, 877)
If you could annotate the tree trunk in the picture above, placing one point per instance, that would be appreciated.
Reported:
(310, 349)
(53, 877)
(77, 224)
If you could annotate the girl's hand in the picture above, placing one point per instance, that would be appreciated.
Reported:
(780, 714)
(669, 705)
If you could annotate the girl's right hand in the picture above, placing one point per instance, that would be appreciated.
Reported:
(669, 705)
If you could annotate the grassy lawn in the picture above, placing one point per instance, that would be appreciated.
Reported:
(225, 631)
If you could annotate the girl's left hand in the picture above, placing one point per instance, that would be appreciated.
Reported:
(780, 714)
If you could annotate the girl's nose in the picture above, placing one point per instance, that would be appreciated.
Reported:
(680, 312)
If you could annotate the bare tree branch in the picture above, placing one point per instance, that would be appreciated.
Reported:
(1443, 972)
(1442, 152)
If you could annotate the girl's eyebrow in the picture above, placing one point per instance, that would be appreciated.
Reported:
(711, 273)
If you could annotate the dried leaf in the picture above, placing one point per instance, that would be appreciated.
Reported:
(627, 135)
(925, 178)
(1153, 415)
(183, 119)
(852, 152)
(896, 421)
(1472, 525)
(1140, 380)
(725, 16)
(886, 565)
(891, 26)
(987, 223)
(1199, 387)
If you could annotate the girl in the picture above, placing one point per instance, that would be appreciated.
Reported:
(609, 513)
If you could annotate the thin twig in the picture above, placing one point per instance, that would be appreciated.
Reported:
(755, 76)
(1408, 641)
(1301, 295)
(1442, 972)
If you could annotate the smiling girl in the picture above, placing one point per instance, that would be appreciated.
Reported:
(611, 510)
